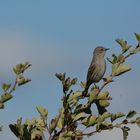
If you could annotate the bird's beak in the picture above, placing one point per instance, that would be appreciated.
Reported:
(107, 49)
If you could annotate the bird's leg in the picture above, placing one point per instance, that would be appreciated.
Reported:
(96, 87)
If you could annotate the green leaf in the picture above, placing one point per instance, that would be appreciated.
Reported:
(104, 103)
(26, 65)
(61, 76)
(64, 138)
(106, 115)
(89, 121)
(103, 96)
(14, 129)
(18, 69)
(125, 132)
(42, 111)
(1, 105)
(78, 116)
(118, 69)
(131, 114)
(100, 119)
(92, 120)
(125, 47)
(17, 72)
(116, 116)
(85, 121)
(74, 81)
(133, 51)
(98, 127)
(77, 108)
(92, 97)
(108, 79)
(114, 60)
(23, 81)
(70, 134)
(28, 122)
(114, 68)
(103, 117)
(19, 121)
(5, 97)
(137, 36)
(120, 58)
(53, 124)
(5, 87)
(138, 46)
(74, 96)
(60, 123)
(106, 126)
(138, 121)
(66, 84)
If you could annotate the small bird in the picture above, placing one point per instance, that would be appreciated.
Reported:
(97, 68)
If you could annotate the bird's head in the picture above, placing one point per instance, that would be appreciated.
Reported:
(100, 51)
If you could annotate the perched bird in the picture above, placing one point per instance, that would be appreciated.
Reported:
(97, 67)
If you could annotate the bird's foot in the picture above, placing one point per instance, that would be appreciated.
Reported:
(97, 90)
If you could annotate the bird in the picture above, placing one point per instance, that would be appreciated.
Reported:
(97, 68)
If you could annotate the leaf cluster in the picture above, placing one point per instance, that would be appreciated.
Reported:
(19, 80)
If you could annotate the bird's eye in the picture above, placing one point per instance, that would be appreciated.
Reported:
(101, 49)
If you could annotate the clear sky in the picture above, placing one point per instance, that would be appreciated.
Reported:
(59, 36)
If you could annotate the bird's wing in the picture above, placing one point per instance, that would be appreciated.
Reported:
(90, 77)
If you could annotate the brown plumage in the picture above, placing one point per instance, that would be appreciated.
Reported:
(97, 67)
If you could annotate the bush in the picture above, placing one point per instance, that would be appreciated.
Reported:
(76, 111)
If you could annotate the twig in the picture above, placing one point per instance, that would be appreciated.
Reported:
(107, 128)
(112, 76)
(14, 86)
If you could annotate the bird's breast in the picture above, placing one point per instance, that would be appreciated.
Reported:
(100, 70)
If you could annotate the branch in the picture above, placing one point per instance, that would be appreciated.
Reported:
(120, 126)
(14, 86)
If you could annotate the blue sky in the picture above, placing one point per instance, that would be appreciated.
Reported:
(59, 36)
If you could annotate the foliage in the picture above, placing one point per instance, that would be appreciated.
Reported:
(20, 80)
(9, 88)
(76, 111)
